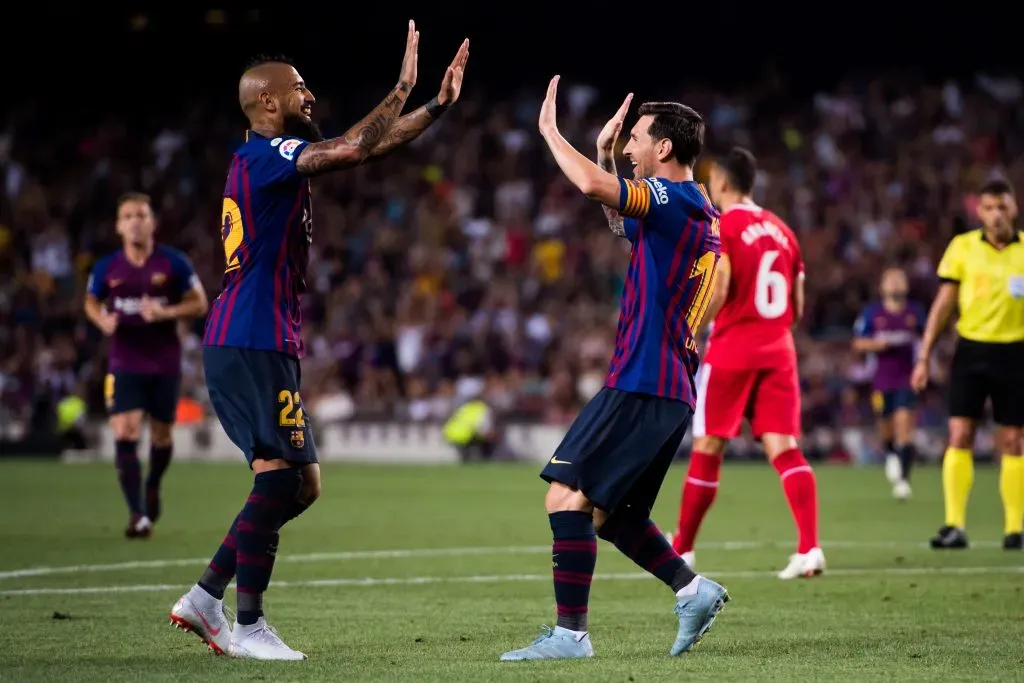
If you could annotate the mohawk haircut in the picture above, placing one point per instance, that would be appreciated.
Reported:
(267, 58)
(682, 125)
(996, 188)
(740, 168)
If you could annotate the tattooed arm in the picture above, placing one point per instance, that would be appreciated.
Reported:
(410, 126)
(356, 145)
(606, 160)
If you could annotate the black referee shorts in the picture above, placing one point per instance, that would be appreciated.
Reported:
(985, 370)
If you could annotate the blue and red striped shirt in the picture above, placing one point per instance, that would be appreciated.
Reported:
(266, 227)
(673, 228)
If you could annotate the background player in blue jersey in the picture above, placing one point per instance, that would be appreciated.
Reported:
(891, 330)
(605, 475)
(136, 296)
(253, 338)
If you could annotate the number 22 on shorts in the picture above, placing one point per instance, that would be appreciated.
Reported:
(291, 414)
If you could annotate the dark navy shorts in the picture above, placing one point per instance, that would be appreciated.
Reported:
(888, 402)
(618, 450)
(256, 397)
(155, 395)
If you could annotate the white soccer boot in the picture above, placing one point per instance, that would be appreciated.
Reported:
(201, 613)
(804, 565)
(893, 468)
(901, 490)
(260, 641)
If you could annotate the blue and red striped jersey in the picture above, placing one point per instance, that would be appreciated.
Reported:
(137, 346)
(266, 226)
(673, 228)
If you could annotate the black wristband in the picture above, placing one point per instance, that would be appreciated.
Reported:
(435, 108)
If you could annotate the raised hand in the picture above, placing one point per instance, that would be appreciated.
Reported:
(451, 85)
(610, 133)
(407, 79)
(547, 122)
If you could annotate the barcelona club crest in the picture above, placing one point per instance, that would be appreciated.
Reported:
(298, 438)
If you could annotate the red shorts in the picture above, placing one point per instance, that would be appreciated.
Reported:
(768, 397)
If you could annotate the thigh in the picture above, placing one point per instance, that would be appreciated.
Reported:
(256, 397)
(642, 495)
(968, 381)
(125, 392)
(1008, 387)
(615, 439)
(775, 404)
(162, 397)
(723, 395)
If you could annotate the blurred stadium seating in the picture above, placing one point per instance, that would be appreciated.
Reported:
(466, 265)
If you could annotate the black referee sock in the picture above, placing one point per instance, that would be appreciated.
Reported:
(907, 453)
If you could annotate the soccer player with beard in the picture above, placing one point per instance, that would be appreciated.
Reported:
(253, 339)
(136, 296)
(604, 477)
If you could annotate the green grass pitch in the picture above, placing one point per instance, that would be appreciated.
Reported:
(429, 573)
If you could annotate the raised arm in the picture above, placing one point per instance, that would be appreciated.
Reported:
(606, 160)
(590, 178)
(358, 142)
(412, 125)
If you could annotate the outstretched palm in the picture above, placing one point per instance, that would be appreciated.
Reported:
(451, 86)
(610, 133)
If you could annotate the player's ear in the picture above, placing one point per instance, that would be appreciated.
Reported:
(268, 102)
(664, 149)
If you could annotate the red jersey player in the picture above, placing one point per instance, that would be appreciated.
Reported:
(749, 368)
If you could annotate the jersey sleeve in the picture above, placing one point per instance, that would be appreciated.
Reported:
(951, 267)
(185, 277)
(645, 198)
(97, 284)
(275, 161)
(864, 326)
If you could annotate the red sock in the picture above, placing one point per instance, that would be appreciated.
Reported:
(699, 490)
(801, 491)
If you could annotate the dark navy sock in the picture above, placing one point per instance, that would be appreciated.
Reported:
(890, 446)
(642, 541)
(222, 567)
(129, 473)
(159, 460)
(907, 452)
(573, 558)
(256, 537)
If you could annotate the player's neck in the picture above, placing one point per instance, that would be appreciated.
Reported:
(893, 308)
(995, 239)
(265, 129)
(137, 255)
(676, 173)
(731, 199)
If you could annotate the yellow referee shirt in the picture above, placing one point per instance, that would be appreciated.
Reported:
(991, 287)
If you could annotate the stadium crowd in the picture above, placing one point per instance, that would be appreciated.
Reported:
(467, 265)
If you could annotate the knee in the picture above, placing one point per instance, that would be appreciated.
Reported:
(310, 490)
(712, 445)
(1010, 440)
(561, 498)
(961, 435)
(126, 427)
(160, 434)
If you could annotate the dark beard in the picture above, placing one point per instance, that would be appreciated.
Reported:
(298, 126)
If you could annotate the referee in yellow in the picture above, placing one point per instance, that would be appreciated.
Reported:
(983, 271)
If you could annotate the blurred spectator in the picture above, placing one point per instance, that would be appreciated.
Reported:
(467, 266)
